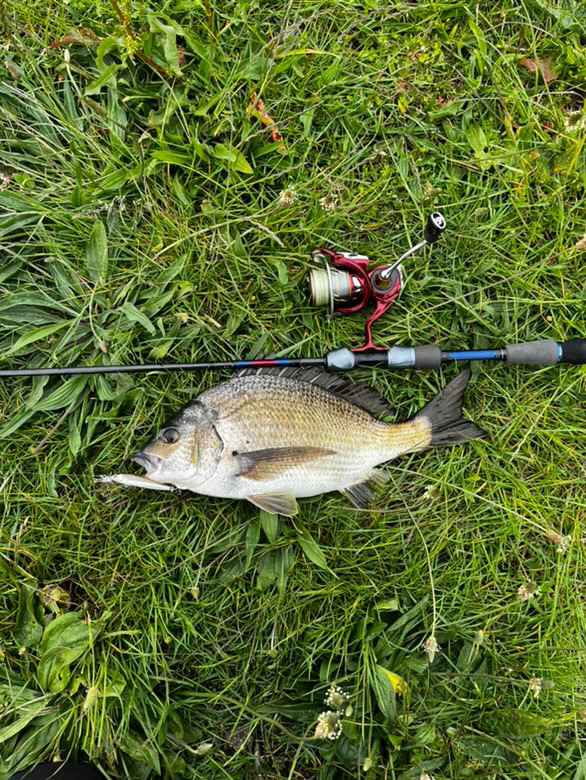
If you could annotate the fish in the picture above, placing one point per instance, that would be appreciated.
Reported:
(271, 436)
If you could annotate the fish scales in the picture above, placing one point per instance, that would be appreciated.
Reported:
(271, 439)
(279, 412)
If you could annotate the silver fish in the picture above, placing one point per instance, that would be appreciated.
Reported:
(276, 435)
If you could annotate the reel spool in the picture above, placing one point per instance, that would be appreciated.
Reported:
(332, 286)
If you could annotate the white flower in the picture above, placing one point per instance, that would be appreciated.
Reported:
(431, 647)
(564, 543)
(328, 726)
(336, 698)
(328, 202)
(575, 120)
(526, 592)
(430, 492)
(561, 542)
(286, 197)
(535, 686)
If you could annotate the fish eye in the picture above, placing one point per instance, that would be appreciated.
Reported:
(169, 435)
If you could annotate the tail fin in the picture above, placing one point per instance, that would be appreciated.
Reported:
(444, 414)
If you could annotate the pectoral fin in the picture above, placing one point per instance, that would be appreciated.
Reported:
(276, 503)
(273, 462)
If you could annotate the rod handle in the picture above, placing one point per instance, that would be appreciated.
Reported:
(573, 351)
(547, 352)
(533, 353)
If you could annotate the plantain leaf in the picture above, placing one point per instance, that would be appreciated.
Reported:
(26, 713)
(267, 571)
(476, 137)
(312, 549)
(169, 39)
(229, 153)
(29, 628)
(241, 164)
(15, 422)
(35, 335)
(14, 222)
(384, 691)
(485, 751)
(270, 525)
(107, 76)
(134, 315)
(173, 158)
(114, 685)
(141, 750)
(252, 537)
(62, 395)
(64, 641)
(33, 742)
(97, 253)
(398, 683)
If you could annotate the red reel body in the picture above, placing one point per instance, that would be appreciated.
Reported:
(349, 287)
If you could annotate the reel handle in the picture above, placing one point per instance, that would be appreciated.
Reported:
(436, 224)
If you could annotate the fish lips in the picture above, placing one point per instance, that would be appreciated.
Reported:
(148, 462)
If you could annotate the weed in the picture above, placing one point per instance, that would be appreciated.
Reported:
(147, 213)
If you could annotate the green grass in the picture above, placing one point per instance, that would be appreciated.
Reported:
(139, 221)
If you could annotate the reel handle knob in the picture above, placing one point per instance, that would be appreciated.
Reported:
(436, 224)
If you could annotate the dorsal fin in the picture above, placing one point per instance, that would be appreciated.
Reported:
(358, 393)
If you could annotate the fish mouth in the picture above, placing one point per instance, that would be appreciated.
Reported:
(148, 462)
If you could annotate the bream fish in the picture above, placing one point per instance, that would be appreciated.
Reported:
(275, 435)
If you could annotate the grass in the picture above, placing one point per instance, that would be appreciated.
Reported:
(192, 637)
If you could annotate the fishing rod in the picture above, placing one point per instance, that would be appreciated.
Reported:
(347, 285)
(546, 352)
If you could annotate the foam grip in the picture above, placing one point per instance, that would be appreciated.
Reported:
(428, 356)
(533, 353)
(573, 351)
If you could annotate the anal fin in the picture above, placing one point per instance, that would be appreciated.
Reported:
(360, 494)
(276, 503)
(363, 493)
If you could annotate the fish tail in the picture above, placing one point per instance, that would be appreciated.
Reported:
(444, 415)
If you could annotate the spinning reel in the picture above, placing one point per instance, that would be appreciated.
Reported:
(346, 286)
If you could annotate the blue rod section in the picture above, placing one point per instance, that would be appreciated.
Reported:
(268, 362)
(475, 354)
